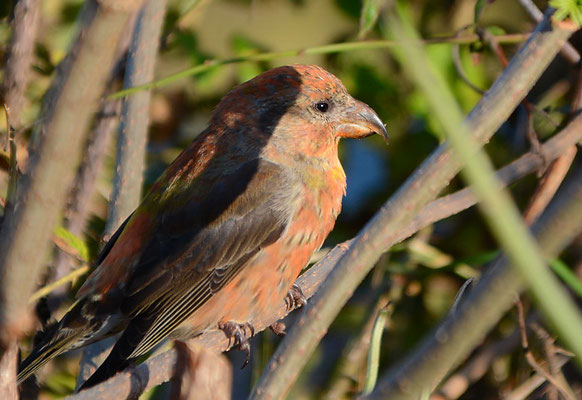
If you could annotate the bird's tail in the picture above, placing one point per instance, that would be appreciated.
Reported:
(122, 354)
(75, 329)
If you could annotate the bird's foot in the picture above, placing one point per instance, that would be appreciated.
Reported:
(278, 328)
(295, 298)
(237, 336)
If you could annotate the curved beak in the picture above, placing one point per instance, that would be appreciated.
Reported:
(359, 120)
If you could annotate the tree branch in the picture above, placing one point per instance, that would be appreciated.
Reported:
(568, 51)
(18, 57)
(131, 141)
(27, 229)
(493, 295)
(133, 129)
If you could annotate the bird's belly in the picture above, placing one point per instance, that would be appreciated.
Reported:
(257, 290)
(264, 281)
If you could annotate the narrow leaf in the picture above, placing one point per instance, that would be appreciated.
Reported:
(566, 274)
(374, 351)
(70, 243)
(369, 16)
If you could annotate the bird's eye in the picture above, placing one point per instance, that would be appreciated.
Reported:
(322, 106)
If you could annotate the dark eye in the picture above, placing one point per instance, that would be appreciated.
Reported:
(322, 106)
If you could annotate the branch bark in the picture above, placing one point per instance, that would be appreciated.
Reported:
(8, 388)
(495, 293)
(95, 151)
(131, 141)
(569, 52)
(133, 129)
(18, 58)
(27, 229)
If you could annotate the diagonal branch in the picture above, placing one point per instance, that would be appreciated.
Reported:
(19, 56)
(495, 293)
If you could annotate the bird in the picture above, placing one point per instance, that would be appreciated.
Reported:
(226, 229)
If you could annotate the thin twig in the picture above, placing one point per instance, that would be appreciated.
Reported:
(474, 369)
(531, 359)
(459, 65)
(525, 389)
(131, 140)
(549, 184)
(325, 49)
(552, 352)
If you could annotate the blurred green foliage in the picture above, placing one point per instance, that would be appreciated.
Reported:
(427, 277)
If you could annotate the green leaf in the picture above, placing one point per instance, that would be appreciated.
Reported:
(566, 274)
(70, 243)
(374, 351)
(568, 9)
(370, 12)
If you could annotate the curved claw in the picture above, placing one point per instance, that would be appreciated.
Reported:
(295, 298)
(236, 334)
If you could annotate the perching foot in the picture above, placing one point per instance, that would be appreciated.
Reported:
(238, 333)
(295, 298)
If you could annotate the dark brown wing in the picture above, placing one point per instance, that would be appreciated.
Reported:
(199, 246)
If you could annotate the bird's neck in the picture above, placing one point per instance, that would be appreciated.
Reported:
(320, 171)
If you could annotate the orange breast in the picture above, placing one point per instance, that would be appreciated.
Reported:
(265, 281)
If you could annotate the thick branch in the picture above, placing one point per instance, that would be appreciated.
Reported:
(95, 151)
(27, 229)
(495, 293)
(133, 129)
(569, 52)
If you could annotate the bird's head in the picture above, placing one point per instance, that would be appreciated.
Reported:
(300, 105)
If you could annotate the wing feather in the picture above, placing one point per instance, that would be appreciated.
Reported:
(196, 252)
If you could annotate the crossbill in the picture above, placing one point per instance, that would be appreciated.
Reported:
(224, 232)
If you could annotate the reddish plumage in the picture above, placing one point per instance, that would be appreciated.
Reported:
(225, 231)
